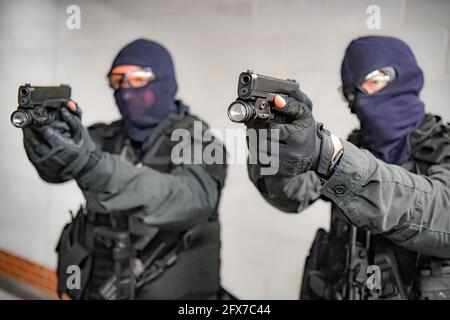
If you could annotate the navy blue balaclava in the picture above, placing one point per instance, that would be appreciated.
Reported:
(144, 108)
(388, 116)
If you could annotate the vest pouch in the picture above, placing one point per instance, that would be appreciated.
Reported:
(314, 283)
(74, 258)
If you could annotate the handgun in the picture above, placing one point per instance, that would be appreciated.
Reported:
(255, 94)
(38, 105)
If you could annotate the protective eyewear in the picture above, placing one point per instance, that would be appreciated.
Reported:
(132, 79)
(372, 82)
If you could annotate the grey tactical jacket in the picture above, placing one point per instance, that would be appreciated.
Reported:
(172, 197)
(410, 209)
(180, 198)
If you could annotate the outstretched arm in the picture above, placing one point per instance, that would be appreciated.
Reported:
(181, 198)
(411, 210)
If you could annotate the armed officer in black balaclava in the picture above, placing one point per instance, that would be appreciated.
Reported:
(150, 227)
(389, 184)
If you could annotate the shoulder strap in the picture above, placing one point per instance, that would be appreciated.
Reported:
(163, 132)
(431, 144)
(356, 138)
(106, 136)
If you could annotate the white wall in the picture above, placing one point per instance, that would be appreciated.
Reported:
(212, 41)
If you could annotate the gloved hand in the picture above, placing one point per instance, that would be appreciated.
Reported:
(62, 150)
(303, 143)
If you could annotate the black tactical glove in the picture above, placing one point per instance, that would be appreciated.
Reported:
(303, 143)
(62, 150)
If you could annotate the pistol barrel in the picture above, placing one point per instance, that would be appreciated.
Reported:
(31, 95)
(252, 84)
(255, 95)
(38, 104)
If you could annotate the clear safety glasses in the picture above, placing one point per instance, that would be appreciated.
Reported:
(373, 82)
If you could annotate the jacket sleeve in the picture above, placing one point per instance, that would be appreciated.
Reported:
(411, 210)
(186, 196)
(287, 194)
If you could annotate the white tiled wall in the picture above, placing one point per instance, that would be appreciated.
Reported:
(211, 41)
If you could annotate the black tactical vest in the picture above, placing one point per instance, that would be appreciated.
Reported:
(187, 277)
(404, 274)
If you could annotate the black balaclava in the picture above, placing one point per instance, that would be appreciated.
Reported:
(388, 116)
(144, 108)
